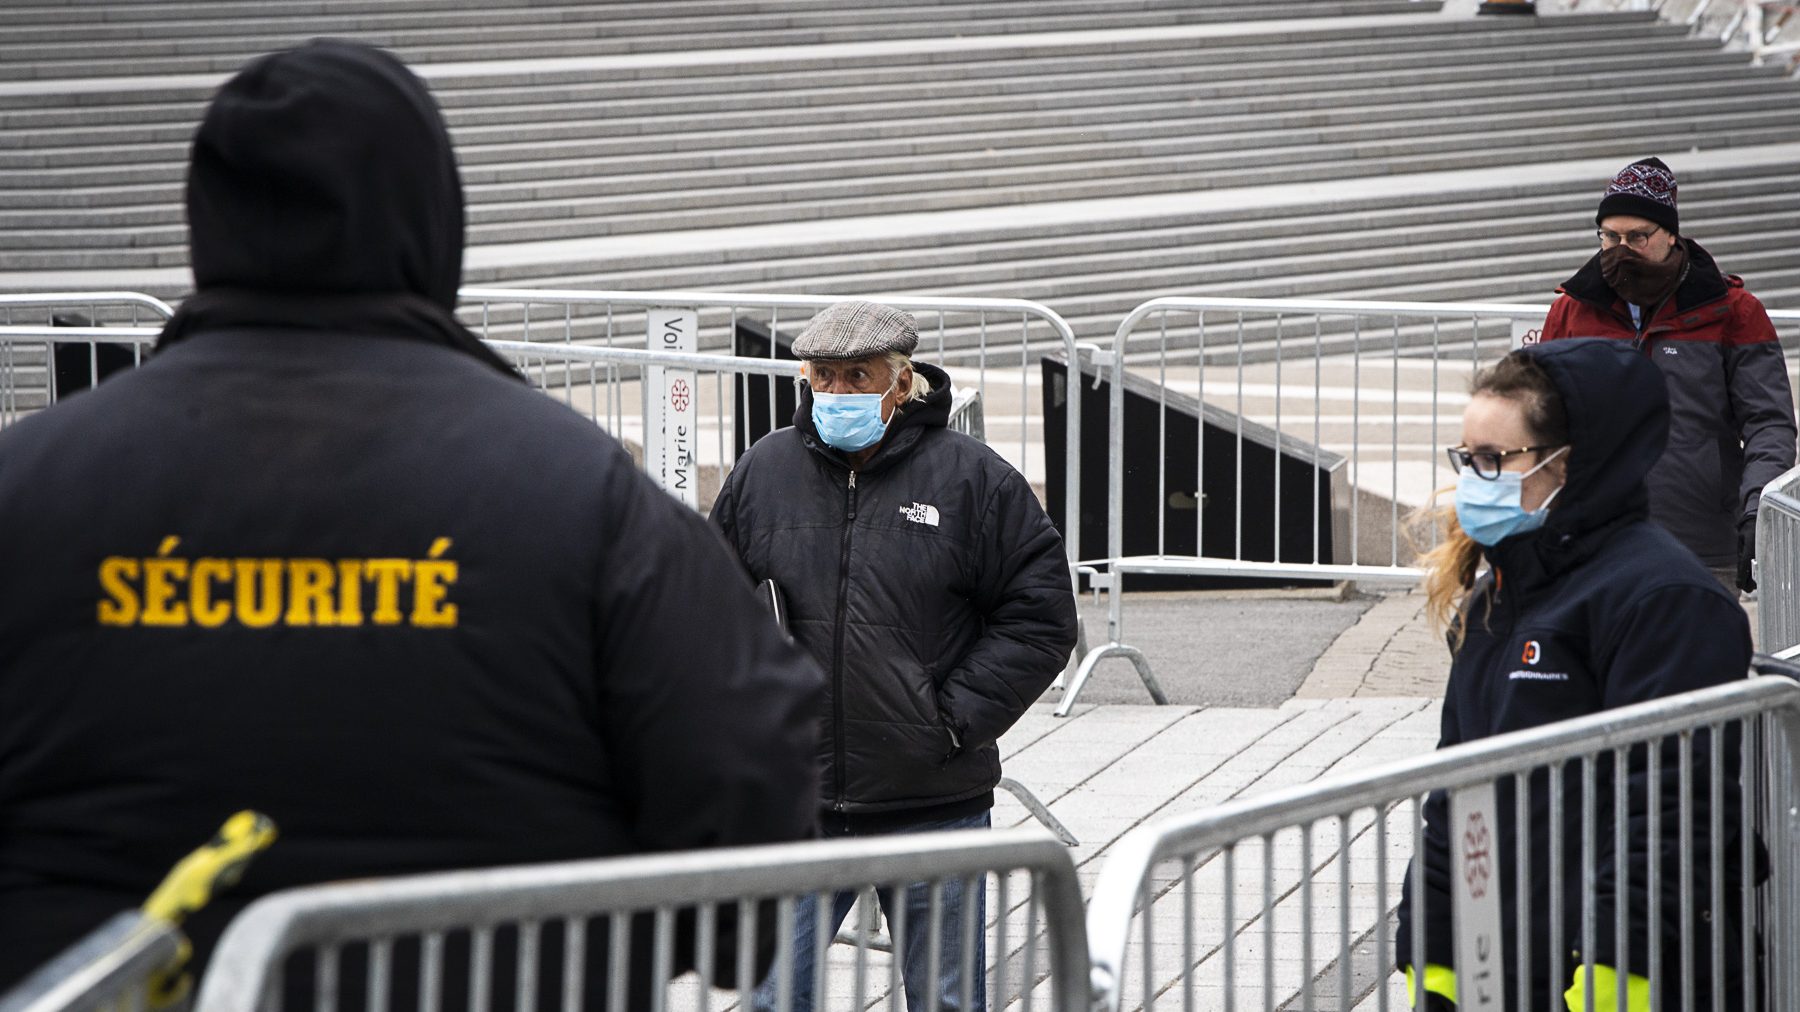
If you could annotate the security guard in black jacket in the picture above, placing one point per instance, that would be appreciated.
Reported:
(327, 556)
(1586, 605)
(921, 573)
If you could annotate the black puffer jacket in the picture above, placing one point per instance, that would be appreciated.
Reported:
(1599, 608)
(323, 557)
(931, 587)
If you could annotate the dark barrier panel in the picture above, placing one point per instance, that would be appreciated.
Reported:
(1160, 485)
(751, 340)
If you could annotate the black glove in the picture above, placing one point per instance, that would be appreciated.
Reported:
(1746, 553)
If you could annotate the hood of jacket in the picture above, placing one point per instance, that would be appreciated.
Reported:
(1702, 283)
(911, 420)
(322, 192)
(1617, 406)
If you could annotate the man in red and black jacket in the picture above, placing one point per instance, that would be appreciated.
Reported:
(1731, 428)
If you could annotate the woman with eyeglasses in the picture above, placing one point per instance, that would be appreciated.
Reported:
(1561, 599)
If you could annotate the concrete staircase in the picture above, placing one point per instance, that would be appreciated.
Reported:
(1167, 147)
(91, 181)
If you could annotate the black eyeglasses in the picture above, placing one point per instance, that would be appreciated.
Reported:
(1636, 240)
(1485, 463)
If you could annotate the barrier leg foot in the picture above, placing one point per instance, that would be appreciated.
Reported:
(1094, 657)
(1039, 811)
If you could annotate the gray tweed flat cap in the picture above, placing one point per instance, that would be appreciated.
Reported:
(857, 329)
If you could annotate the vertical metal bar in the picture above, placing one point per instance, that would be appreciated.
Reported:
(746, 952)
(1306, 916)
(662, 959)
(1436, 406)
(618, 960)
(1031, 937)
(784, 953)
(481, 968)
(1685, 829)
(1146, 900)
(774, 338)
(1187, 933)
(1344, 907)
(325, 996)
(1381, 892)
(381, 972)
(823, 930)
(1356, 441)
(1748, 790)
(525, 986)
(1621, 791)
(1228, 981)
(1417, 935)
(1558, 952)
(1025, 401)
(866, 903)
(575, 959)
(1238, 478)
(897, 937)
(1590, 879)
(1394, 459)
(1002, 946)
(1716, 870)
(1275, 552)
(1268, 919)
(1200, 440)
(431, 971)
(1653, 799)
(1162, 435)
(935, 946)
(969, 927)
(1317, 444)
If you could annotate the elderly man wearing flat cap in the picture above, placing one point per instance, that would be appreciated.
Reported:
(922, 574)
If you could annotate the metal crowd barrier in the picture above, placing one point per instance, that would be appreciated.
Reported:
(990, 346)
(1288, 900)
(1778, 566)
(1356, 398)
(32, 369)
(619, 933)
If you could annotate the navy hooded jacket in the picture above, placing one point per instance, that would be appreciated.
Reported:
(325, 557)
(1599, 608)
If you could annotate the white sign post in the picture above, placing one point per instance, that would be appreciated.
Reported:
(671, 413)
(1475, 885)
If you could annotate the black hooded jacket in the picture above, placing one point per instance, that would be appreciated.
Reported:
(931, 587)
(341, 567)
(1597, 609)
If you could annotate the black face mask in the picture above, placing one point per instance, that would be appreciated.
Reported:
(1637, 279)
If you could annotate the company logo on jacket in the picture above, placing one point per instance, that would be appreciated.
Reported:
(921, 513)
(1532, 654)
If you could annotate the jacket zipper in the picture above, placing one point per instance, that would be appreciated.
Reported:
(837, 649)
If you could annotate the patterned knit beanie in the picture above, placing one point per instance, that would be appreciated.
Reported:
(1645, 188)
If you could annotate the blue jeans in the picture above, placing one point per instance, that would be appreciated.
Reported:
(915, 946)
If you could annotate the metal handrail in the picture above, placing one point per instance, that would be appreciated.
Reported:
(42, 300)
(254, 946)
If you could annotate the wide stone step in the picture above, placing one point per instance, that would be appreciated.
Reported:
(85, 59)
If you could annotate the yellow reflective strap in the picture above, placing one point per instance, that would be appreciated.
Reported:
(1606, 991)
(193, 881)
(1439, 980)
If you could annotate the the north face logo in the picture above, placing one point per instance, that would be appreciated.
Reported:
(920, 513)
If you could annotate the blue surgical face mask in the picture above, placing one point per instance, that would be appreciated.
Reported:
(850, 422)
(1489, 511)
